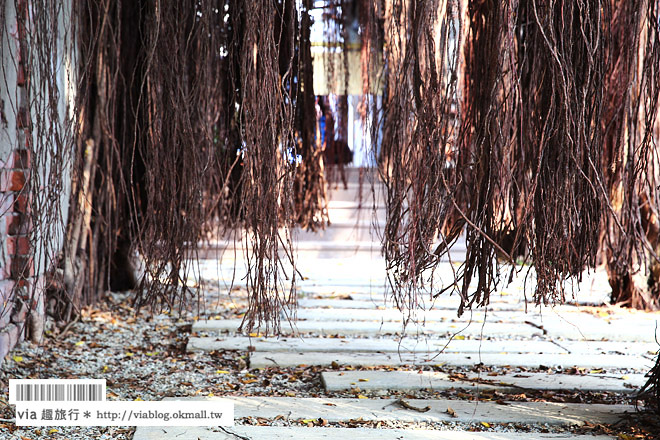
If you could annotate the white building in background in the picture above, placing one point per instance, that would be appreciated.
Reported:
(330, 80)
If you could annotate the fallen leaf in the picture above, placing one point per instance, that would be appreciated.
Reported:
(362, 396)
(17, 358)
(222, 372)
(486, 424)
(363, 380)
(407, 405)
(459, 337)
(451, 412)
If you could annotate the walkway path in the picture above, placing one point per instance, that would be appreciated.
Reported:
(348, 328)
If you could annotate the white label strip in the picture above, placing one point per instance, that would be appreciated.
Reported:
(215, 412)
(56, 390)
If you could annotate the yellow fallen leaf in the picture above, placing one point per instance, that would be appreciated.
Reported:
(222, 372)
(254, 335)
(363, 380)
(249, 375)
(105, 368)
(290, 394)
(18, 358)
(129, 354)
(486, 424)
(596, 371)
(459, 337)
(362, 396)
(151, 353)
(139, 399)
(79, 343)
(625, 377)
(53, 431)
(306, 421)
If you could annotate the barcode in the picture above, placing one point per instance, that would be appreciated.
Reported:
(56, 390)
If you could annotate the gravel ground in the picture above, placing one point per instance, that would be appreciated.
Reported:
(142, 356)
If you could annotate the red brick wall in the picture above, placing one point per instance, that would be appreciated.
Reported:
(17, 268)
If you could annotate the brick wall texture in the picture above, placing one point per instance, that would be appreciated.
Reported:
(17, 266)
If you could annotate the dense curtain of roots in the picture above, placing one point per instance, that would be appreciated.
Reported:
(519, 167)
(417, 98)
(555, 157)
(189, 115)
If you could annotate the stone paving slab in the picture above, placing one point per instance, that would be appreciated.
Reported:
(553, 327)
(641, 331)
(377, 302)
(420, 345)
(506, 383)
(575, 320)
(349, 345)
(614, 347)
(296, 433)
(336, 410)
(290, 359)
(370, 328)
(565, 322)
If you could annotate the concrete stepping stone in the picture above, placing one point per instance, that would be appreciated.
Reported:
(613, 347)
(506, 383)
(337, 410)
(575, 322)
(350, 345)
(644, 332)
(422, 345)
(591, 361)
(377, 302)
(347, 328)
(296, 433)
